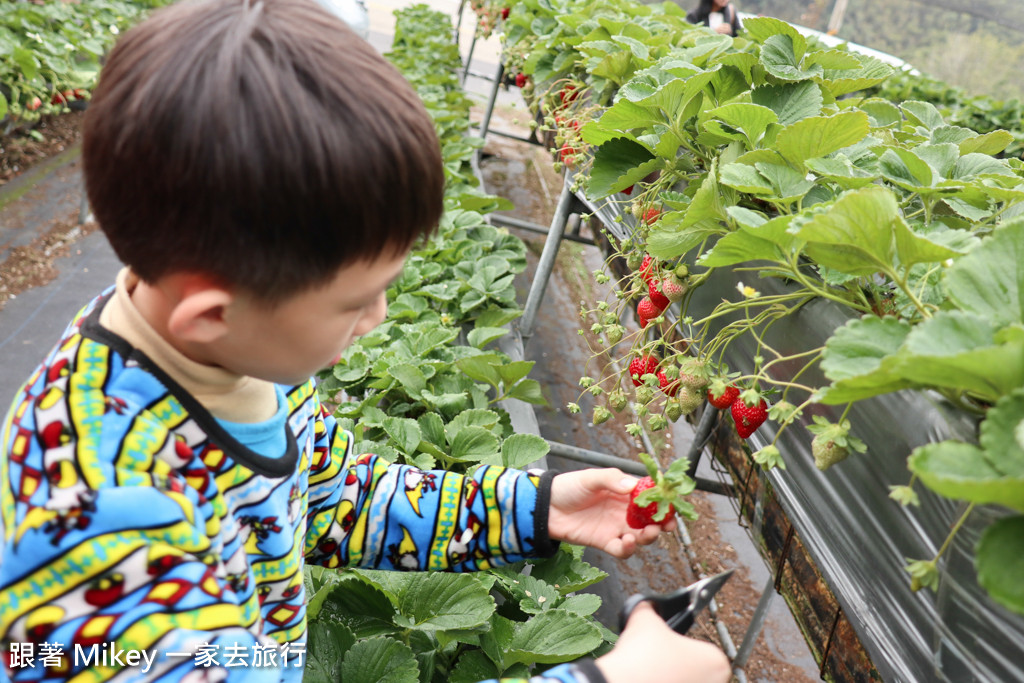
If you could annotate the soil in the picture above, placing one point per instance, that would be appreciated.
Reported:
(524, 174)
(33, 264)
(20, 151)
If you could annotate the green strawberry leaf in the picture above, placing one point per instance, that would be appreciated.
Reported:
(329, 641)
(770, 241)
(781, 57)
(861, 358)
(863, 233)
(819, 136)
(1000, 434)
(1000, 562)
(988, 281)
(405, 432)
(519, 451)
(551, 637)
(751, 119)
(961, 471)
(381, 659)
(791, 102)
(440, 601)
(989, 143)
(482, 336)
(923, 114)
(619, 163)
(958, 350)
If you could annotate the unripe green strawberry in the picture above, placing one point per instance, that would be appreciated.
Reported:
(614, 333)
(644, 395)
(832, 443)
(634, 259)
(637, 209)
(673, 411)
(657, 423)
(827, 452)
(689, 399)
(601, 414)
(673, 288)
(682, 271)
(617, 400)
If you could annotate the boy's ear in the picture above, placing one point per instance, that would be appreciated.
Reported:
(199, 316)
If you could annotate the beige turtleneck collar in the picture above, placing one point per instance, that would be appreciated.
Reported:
(231, 397)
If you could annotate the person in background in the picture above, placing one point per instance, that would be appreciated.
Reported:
(719, 15)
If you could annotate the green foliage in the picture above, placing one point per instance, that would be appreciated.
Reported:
(755, 154)
(56, 47)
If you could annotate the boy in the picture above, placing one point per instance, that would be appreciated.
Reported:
(168, 469)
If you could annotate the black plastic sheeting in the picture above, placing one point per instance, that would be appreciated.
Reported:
(859, 537)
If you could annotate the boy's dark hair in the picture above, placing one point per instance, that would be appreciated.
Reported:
(261, 142)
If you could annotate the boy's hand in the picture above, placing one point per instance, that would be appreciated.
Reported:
(667, 656)
(588, 507)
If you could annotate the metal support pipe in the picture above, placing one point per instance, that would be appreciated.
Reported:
(700, 437)
(469, 59)
(512, 222)
(486, 122)
(547, 262)
(564, 450)
(755, 626)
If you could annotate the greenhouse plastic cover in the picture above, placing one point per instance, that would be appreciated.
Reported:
(859, 538)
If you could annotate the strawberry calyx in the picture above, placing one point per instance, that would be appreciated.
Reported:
(661, 495)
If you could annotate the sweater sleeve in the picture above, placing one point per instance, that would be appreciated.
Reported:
(583, 671)
(364, 511)
(108, 565)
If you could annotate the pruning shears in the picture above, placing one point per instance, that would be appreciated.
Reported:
(678, 609)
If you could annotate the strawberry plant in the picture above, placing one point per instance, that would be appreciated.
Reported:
(762, 160)
(48, 50)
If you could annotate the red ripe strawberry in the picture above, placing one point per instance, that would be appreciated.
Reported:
(504, 12)
(651, 215)
(643, 321)
(727, 398)
(520, 80)
(648, 268)
(648, 309)
(34, 104)
(638, 517)
(568, 94)
(655, 295)
(748, 418)
(640, 366)
(628, 191)
(79, 93)
(669, 386)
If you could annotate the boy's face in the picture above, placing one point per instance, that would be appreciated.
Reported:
(307, 332)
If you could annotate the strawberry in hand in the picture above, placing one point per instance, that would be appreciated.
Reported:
(657, 497)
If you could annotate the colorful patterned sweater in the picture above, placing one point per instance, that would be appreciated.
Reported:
(132, 522)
